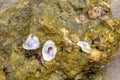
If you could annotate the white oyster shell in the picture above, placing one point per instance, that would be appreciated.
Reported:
(32, 43)
(84, 46)
(49, 50)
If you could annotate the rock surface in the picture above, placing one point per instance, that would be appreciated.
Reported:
(112, 77)
(113, 69)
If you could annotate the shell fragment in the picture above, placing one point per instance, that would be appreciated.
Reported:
(84, 46)
(32, 43)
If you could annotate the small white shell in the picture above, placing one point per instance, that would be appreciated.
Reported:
(77, 20)
(84, 46)
(49, 50)
(32, 43)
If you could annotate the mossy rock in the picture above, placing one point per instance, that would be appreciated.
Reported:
(65, 22)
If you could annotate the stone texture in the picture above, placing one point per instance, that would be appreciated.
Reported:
(112, 70)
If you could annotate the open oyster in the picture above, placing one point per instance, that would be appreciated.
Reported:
(32, 43)
(65, 22)
(49, 50)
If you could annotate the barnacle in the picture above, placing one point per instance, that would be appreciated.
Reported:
(94, 12)
(95, 55)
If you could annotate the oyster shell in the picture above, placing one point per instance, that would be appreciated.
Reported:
(49, 50)
(32, 43)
